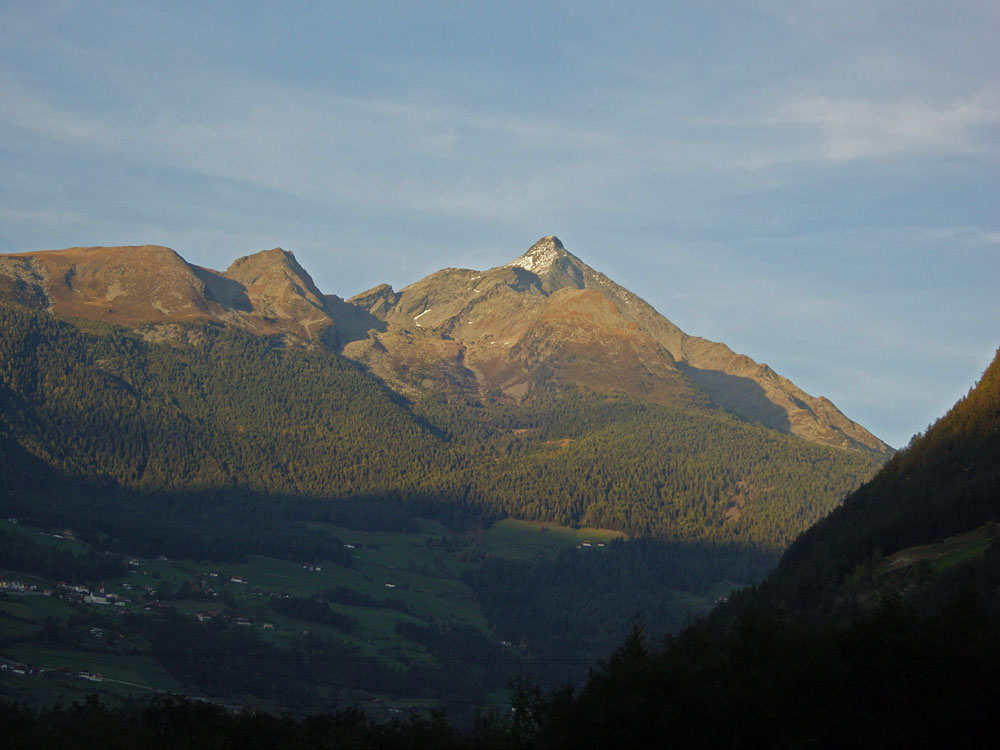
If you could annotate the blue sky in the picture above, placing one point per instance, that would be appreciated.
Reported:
(815, 183)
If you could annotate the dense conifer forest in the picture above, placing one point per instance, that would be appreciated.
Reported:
(189, 430)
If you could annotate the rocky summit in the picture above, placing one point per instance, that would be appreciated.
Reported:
(544, 320)
(548, 318)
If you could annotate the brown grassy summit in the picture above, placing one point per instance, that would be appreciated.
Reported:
(276, 289)
(128, 285)
(144, 285)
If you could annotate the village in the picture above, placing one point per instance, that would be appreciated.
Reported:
(129, 630)
(124, 598)
(150, 587)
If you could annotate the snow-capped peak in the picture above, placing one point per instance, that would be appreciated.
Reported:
(542, 255)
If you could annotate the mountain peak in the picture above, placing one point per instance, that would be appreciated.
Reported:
(548, 317)
(276, 257)
(275, 268)
(541, 256)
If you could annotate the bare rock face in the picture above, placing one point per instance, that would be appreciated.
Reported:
(544, 320)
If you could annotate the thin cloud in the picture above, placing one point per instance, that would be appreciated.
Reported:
(404, 152)
(847, 129)
(963, 237)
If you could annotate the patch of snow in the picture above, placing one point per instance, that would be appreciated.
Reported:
(539, 258)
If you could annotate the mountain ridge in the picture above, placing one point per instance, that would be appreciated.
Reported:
(543, 320)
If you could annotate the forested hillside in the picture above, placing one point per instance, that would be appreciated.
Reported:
(946, 483)
(228, 410)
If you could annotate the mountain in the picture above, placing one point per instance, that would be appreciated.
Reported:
(158, 408)
(247, 419)
(548, 318)
(517, 391)
(543, 320)
(268, 293)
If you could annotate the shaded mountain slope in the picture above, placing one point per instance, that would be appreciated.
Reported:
(810, 658)
(946, 483)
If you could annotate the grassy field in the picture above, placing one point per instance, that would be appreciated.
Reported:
(532, 540)
(947, 553)
(46, 537)
(26, 613)
(134, 669)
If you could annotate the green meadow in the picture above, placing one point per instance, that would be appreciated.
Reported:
(401, 588)
(531, 540)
